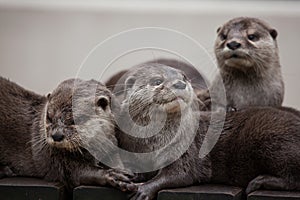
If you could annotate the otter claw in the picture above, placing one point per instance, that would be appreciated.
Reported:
(120, 180)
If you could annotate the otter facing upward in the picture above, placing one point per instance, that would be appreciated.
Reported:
(44, 137)
(198, 80)
(247, 55)
(156, 99)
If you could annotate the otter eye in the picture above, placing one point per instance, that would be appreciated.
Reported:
(223, 36)
(156, 81)
(103, 103)
(252, 37)
(49, 119)
(185, 79)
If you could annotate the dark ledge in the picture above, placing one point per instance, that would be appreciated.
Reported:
(96, 193)
(205, 192)
(36, 189)
(274, 195)
(20, 188)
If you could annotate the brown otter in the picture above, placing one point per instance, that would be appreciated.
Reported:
(45, 137)
(257, 148)
(198, 81)
(156, 98)
(247, 55)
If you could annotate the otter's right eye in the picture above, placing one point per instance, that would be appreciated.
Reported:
(156, 81)
(223, 36)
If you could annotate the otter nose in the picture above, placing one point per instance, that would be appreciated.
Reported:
(233, 45)
(180, 85)
(57, 137)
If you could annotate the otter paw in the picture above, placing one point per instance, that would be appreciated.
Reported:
(120, 179)
(143, 193)
(255, 184)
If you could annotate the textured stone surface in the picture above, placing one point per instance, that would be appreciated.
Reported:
(30, 189)
(274, 195)
(97, 193)
(202, 192)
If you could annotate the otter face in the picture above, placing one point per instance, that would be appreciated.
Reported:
(157, 88)
(244, 43)
(75, 111)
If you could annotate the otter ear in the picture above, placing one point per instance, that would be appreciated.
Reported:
(129, 84)
(48, 96)
(218, 30)
(273, 33)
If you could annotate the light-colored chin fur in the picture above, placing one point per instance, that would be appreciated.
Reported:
(238, 62)
(59, 145)
(174, 106)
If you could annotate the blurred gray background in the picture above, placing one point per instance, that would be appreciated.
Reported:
(45, 42)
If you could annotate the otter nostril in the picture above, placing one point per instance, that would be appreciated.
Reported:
(179, 85)
(233, 45)
(58, 137)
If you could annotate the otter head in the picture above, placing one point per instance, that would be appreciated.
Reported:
(153, 88)
(75, 112)
(244, 43)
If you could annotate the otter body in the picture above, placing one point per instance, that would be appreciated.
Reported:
(39, 137)
(257, 148)
(247, 55)
(156, 99)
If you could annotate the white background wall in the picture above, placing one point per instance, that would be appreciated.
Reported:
(44, 42)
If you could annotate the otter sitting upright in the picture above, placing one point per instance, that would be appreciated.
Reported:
(45, 137)
(247, 55)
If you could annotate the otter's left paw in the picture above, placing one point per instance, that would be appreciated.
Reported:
(144, 192)
(120, 179)
(255, 184)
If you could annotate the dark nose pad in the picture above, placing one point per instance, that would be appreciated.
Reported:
(58, 137)
(233, 45)
(180, 85)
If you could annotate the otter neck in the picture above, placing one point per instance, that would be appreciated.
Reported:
(254, 73)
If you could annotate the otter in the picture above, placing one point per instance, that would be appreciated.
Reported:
(44, 137)
(199, 82)
(246, 50)
(257, 146)
(147, 85)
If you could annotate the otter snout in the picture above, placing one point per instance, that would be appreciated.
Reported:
(233, 45)
(57, 136)
(179, 85)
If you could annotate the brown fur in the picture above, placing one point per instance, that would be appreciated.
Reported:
(142, 98)
(258, 147)
(247, 55)
(29, 123)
